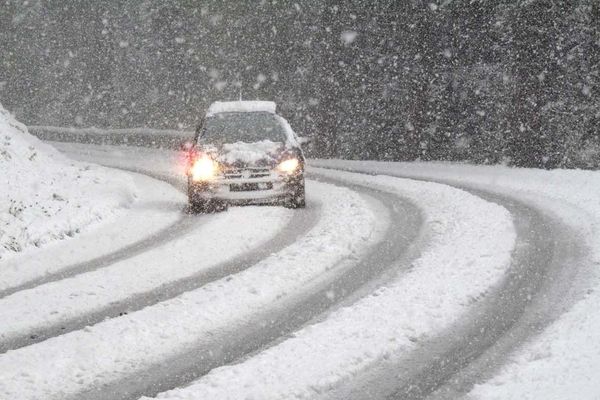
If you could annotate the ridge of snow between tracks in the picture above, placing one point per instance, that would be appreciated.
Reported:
(470, 247)
(98, 355)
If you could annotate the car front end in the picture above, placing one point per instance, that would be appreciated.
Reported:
(244, 153)
(209, 179)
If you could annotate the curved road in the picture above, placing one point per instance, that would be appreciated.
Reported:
(401, 242)
(444, 367)
(531, 296)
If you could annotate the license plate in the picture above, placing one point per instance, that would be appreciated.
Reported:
(248, 187)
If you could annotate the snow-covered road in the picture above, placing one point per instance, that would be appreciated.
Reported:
(382, 287)
(531, 337)
(155, 218)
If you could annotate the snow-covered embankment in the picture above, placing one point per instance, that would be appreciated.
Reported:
(46, 197)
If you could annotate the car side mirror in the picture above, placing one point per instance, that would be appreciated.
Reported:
(187, 147)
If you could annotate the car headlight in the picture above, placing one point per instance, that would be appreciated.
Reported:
(289, 166)
(204, 169)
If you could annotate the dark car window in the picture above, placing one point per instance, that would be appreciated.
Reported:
(249, 127)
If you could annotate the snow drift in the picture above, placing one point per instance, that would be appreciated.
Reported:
(44, 196)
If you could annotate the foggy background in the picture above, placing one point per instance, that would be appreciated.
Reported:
(513, 82)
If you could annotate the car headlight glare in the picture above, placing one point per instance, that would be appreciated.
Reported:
(289, 166)
(204, 168)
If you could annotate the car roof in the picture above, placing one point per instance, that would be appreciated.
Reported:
(241, 106)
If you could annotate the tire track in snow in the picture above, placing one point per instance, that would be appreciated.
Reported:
(348, 287)
(447, 366)
(421, 384)
(428, 378)
(520, 308)
(388, 322)
(275, 321)
(180, 227)
(401, 244)
(300, 223)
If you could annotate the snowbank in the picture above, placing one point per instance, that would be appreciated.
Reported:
(46, 197)
(469, 240)
(158, 208)
(563, 361)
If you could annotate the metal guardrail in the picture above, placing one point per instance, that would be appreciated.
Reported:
(141, 137)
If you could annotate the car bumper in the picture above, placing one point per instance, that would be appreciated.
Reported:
(245, 190)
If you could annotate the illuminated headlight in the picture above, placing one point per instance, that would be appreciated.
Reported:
(288, 166)
(204, 169)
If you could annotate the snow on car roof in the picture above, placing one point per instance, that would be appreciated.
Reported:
(241, 106)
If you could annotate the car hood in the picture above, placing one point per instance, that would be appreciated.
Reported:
(240, 154)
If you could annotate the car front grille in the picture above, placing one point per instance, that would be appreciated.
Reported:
(248, 172)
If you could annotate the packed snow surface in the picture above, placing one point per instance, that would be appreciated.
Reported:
(563, 361)
(66, 365)
(46, 197)
(469, 245)
(241, 106)
(470, 240)
(249, 153)
(52, 304)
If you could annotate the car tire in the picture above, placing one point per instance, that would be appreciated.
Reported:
(207, 206)
(200, 205)
(297, 198)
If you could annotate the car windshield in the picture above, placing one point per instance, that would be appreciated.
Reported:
(248, 127)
